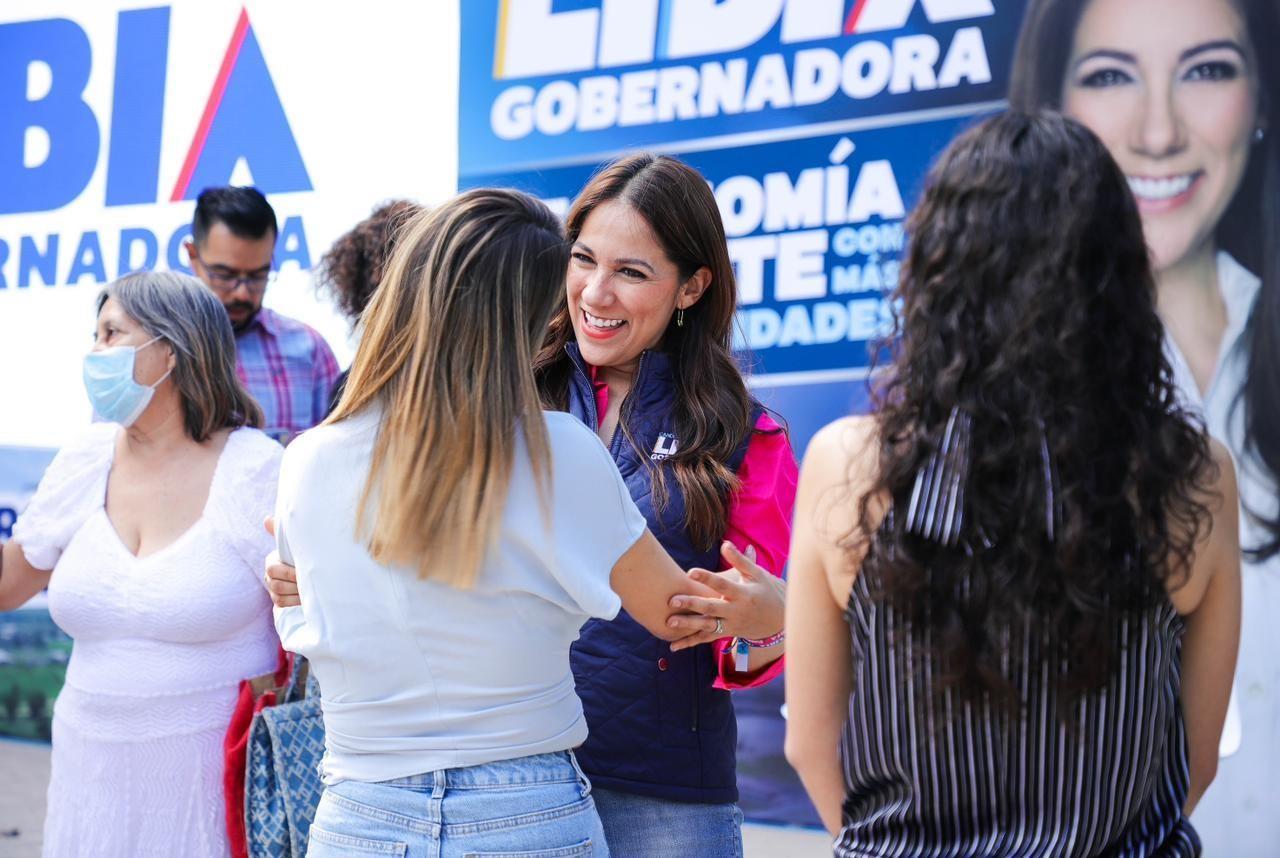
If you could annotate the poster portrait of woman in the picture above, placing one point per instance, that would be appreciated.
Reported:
(1184, 93)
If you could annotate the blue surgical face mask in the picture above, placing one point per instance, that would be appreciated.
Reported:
(108, 378)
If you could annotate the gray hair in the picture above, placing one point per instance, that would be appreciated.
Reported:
(178, 309)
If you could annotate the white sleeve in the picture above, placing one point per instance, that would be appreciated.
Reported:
(595, 521)
(74, 485)
(289, 621)
(250, 497)
(296, 635)
(293, 467)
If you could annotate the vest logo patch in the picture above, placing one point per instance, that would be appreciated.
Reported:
(664, 447)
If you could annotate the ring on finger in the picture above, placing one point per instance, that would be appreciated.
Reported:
(719, 627)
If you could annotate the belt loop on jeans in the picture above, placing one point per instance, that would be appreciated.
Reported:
(582, 776)
(439, 778)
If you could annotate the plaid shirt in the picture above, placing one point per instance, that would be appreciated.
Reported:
(289, 369)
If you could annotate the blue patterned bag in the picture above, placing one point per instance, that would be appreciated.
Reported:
(282, 774)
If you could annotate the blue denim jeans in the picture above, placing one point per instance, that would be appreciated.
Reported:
(637, 826)
(530, 807)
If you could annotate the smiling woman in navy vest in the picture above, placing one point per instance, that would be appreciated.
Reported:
(641, 353)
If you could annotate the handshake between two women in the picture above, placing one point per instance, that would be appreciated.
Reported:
(743, 601)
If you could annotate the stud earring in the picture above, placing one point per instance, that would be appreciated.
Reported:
(1258, 134)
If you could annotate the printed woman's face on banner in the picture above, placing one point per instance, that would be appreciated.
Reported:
(1171, 87)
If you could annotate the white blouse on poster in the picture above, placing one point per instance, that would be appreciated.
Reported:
(1236, 816)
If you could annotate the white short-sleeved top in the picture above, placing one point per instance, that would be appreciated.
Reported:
(74, 487)
(161, 640)
(417, 676)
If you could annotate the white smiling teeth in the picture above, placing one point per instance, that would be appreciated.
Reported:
(602, 323)
(1159, 189)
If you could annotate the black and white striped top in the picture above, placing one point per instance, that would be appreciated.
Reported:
(929, 775)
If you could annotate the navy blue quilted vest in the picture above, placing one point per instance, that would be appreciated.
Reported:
(657, 727)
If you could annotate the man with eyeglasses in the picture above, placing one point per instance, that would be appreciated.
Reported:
(286, 365)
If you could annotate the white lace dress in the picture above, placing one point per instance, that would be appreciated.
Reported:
(161, 643)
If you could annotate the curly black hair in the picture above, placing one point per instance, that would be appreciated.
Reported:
(1027, 299)
(1249, 229)
(352, 268)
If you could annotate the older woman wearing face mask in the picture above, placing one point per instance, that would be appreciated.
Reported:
(147, 533)
(1184, 95)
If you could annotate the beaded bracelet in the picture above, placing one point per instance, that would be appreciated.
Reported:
(765, 643)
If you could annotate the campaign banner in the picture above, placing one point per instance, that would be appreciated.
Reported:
(33, 650)
(548, 82)
(813, 121)
(815, 227)
(115, 115)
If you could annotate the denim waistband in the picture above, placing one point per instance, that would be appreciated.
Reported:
(556, 767)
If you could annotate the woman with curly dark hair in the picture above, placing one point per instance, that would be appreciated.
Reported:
(1015, 587)
(1185, 93)
(352, 268)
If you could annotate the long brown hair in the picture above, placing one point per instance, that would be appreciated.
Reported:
(712, 406)
(1249, 229)
(448, 342)
(1027, 302)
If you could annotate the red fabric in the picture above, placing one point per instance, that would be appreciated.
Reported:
(235, 748)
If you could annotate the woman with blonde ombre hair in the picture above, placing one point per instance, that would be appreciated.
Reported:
(450, 539)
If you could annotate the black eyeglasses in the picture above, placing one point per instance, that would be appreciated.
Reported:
(227, 282)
